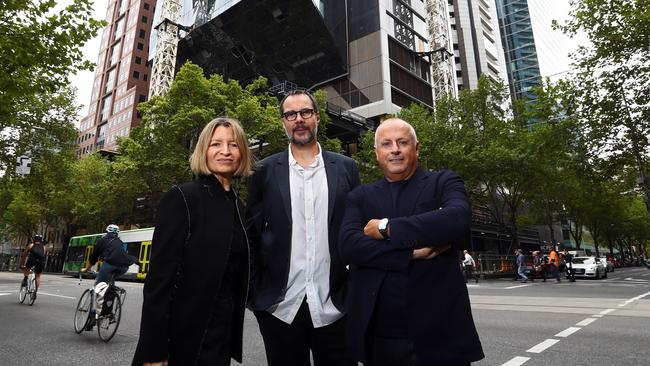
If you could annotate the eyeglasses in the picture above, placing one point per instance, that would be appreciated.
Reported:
(292, 115)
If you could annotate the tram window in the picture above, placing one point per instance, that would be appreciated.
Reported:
(76, 254)
(133, 248)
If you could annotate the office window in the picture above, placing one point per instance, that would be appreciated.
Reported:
(142, 33)
(144, 19)
(136, 74)
(140, 46)
(146, 6)
(138, 60)
(144, 77)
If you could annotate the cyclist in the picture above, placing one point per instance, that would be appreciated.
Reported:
(116, 262)
(33, 257)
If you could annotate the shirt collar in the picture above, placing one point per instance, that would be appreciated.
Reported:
(317, 161)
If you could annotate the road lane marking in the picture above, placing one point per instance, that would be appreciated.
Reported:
(2, 293)
(47, 294)
(606, 311)
(597, 316)
(518, 286)
(516, 361)
(586, 322)
(543, 346)
(567, 332)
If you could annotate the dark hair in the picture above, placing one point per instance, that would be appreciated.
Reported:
(314, 104)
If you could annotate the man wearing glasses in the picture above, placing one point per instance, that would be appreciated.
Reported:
(296, 200)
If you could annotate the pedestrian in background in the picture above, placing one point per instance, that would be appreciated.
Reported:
(554, 263)
(469, 266)
(538, 266)
(568, 259)
(194, 294)
(521, 269)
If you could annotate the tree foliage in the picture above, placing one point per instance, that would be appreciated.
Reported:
(613, 77)
(40, 46)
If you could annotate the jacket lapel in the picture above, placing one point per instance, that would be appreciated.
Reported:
(411, 195)
(331, 171)
(282, 177)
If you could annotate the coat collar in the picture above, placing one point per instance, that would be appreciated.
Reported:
(410, 195)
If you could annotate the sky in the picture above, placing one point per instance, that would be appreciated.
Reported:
(553, 47)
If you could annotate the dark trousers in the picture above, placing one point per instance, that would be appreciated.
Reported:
(289, 344)
(215, 350)
(555, 272)
(469, 273)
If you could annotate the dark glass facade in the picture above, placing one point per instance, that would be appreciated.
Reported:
(282, 40)
(519, 48)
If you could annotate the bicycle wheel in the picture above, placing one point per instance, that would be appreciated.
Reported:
(32, 290)
(82, 312)
(22, 294)
(107, 325)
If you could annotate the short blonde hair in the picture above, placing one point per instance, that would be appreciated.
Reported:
(198, 160)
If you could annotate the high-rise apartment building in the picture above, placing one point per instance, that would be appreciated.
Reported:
(476, 41)
(121, 75)
(364, 53)
(519, 48)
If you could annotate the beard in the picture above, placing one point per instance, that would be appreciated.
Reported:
(311, 136)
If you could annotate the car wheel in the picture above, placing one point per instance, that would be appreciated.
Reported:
(605, 275)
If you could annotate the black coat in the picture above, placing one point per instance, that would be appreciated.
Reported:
(184, 278)
(434, 211)
(268, 218)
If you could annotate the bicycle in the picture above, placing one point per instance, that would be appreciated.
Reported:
(28, 289)
(108, 319)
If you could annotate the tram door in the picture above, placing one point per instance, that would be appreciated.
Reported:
(145, 255)
(89, 250)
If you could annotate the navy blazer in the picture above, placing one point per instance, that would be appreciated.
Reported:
(434, 211)
(268, 221)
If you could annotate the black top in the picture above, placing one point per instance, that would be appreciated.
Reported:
(232, 276)
(111, 249)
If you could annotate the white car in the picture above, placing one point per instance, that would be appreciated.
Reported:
(589, 267)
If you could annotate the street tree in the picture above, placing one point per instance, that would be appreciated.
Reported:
(613, 76)
(40, 46)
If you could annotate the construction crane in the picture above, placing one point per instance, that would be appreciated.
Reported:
(168, 34)
(442, 63)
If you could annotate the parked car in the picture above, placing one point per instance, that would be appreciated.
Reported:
(590, 267)
(647, 263)
(609, 266)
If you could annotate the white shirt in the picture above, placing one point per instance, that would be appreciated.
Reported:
(309, 271)
(469, 261)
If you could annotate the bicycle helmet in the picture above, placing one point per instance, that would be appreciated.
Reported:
(112, 228)
(38, 237)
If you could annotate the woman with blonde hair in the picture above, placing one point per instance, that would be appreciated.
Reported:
(196, 287)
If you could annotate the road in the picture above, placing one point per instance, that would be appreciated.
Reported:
(589, 322)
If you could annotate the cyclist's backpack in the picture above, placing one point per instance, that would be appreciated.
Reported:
(109, 298)
(37, 251)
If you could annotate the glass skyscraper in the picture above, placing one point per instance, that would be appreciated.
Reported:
(519, 48)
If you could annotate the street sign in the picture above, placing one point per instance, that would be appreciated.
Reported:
(23, 165)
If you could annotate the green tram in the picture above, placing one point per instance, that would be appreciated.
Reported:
(138, 244)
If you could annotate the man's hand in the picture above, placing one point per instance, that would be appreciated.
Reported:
(429, 252)
(372, 229)
(84, 269)
(162, 363)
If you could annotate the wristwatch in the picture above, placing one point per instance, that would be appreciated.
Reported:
(383, 227)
